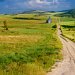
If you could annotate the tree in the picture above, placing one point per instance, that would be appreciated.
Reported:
(5, 25)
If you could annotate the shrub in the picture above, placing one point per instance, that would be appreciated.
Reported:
(54, 26)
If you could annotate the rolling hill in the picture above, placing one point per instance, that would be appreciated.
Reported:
(68, 13)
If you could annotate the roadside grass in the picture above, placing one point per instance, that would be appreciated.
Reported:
(29, 47)
(68, 28)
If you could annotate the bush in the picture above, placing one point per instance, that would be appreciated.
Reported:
(54, 26)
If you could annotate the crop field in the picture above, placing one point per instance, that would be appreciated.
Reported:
(29, 46)
(68, 27)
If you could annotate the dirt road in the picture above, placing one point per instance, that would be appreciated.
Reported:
(67, 66)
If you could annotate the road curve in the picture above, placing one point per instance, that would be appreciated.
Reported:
(67, 66)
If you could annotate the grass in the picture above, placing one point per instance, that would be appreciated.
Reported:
(28, 47)
(68, 28)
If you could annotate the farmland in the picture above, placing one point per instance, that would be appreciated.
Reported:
(29, 46)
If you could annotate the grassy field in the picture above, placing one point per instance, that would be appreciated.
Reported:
(29, 46)
(68, 27)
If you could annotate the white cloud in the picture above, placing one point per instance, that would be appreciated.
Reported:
(48, 4)
(38, 1)
(43, 3)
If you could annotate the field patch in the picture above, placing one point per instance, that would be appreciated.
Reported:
(25, 39)
(68, 28)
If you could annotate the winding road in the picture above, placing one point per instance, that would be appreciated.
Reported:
(67, 66)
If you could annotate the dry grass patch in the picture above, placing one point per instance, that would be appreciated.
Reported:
(21, 38)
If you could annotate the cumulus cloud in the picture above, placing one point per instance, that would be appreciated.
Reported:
(38, 1)
(48, 4)
(44, 2)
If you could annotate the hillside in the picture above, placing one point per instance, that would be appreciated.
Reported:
(33, 11)
(69, 13)
(40, 12)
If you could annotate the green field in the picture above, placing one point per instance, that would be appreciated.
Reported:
(68, 27)
(29, 46)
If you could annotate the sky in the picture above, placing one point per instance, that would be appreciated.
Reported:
(15, 6)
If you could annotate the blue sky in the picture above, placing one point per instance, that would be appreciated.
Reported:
(14, 6)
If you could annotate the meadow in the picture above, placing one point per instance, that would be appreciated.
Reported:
(29, 46)
(68, 27)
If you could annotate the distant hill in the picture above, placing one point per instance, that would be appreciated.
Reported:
(64, 10)
(68, 13)
(33, 11)
(37, 12)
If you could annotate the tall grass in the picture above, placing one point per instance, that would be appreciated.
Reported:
(29, 47)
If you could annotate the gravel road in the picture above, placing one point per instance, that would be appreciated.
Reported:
(67, 66)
